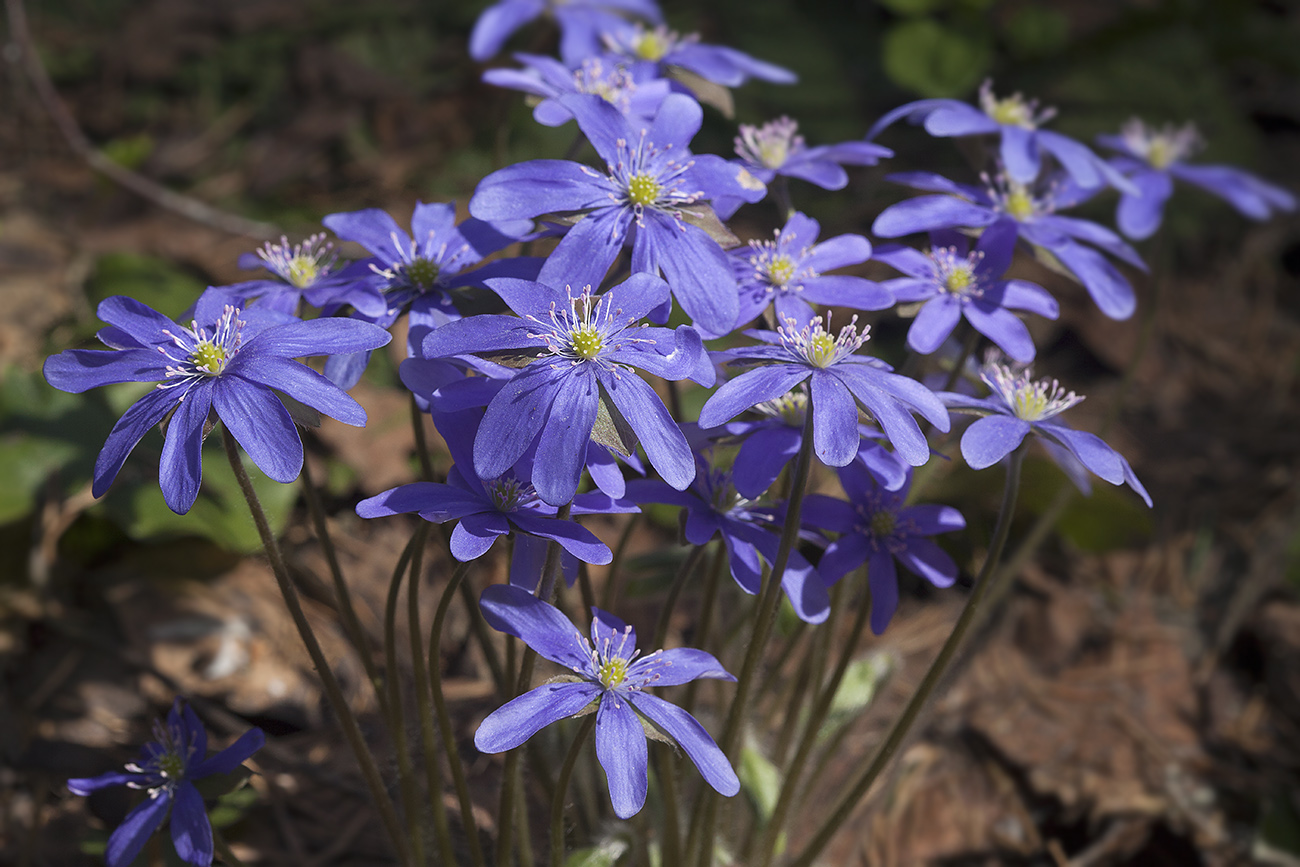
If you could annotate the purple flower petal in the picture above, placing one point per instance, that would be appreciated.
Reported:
(835, 420)
(542, 627)
(572, 537)
(513, 419)
(299, 382)
(191, 831)
(1139, 216)
(923, 557)
(664, 443)
(180, 471)
(1089, 448)
(934, 323)
(929, 212)
(621, 749)
(261, 425)
(562, 446)
(956, 119)
(693, 739)
(882, 578)
(127, 841)
(232, 756)
(1019, 152)
(750, 388)
(497, 22)
(844, 555)
(584, 255)
(127, 432)
(77, 370)
(537, 187)
(519, 719)
(476, 533)
(990, 439)
(1004, 328)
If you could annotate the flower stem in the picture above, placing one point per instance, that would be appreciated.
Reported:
(333, 693)
(350, 622)
(821, 707)
(444, 716)
(769, 602)
(396, 718)
(849, 801)
(562, 789)
(421, 441)
(610, 593)
(687, 569)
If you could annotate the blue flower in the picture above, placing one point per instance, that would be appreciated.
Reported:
(635, 91)
(308, 271)
(229, 361)
(1020, 405)
(167, 769)
(951, 282)
(789, 272)
(650, 195)
(417, 272)
(581, 23)
(1017, 120)
(1153, 159)
(1073, 242)
(749, 532)
(664, 48)
(776, 148)
(876, 527)
(837, 379)
(585, 347)
(613, 676)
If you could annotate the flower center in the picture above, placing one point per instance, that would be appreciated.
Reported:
(171, 765)
(612, 671)
(509, 494)
(643, 190)
(1019, 203)
(790, 407)
(770, 145)
(615, 86)
(883, 524)
(301, 265)
(208, 358)
(1030, 400)
(1013, 110)
(586, 342)
(814, 344)
(1160, 148)
(780, 270)
(653, 44)
(422, 273)
(956, 274)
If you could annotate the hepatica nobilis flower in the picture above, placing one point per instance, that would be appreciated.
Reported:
(788, 272)
(608, 672)
(581, 350)
(877, 528)
(580, 22)
(650, 195)
(167, 769)
(665, 48)
(952, 282)
(1073, 242)
(749, 533)
(1153, 158)
(416, 272)
(307, 271)
(1018, 121)
(228, 361)
(636, 92)
(1020, 405)
(838, 378)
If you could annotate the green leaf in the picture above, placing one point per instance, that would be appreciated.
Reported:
(1037, 31)
(232, 806)
(604, 855)
(159, 284)
(760, 780)
(863, 680)
(933, 60)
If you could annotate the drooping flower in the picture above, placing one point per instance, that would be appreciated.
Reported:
(788, 273)
(167, 769)
(612, 675)
(584, 347)
(581, 22)
(634, 90)
(1018, 121)
(416, 273)
(486, 509)
(664, 48)
(769, 442)
(651, 195)
(876, 527)
(1153, 159)
(1020, 405)
(1075, 243)
(749, 531)
(229, 361)
(838, 379)
(953, 282)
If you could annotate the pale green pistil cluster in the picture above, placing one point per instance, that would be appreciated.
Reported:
(586, 342)
(1013, 110)
(883, 524)
(790, 407)
(509, 494)
(1030, 400)
(643, 190)
(1160, 148)
(954, 273)
(814, 344)
(612, 671)
(171, 766)
(208, 358)
(302, 264)
(423, 273)
(780, 270)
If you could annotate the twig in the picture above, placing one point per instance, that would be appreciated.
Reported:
(186, 206)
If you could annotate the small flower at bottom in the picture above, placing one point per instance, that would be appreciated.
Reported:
(167, 768)
(613, 675)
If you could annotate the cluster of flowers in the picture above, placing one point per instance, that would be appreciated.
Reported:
(549, 387)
